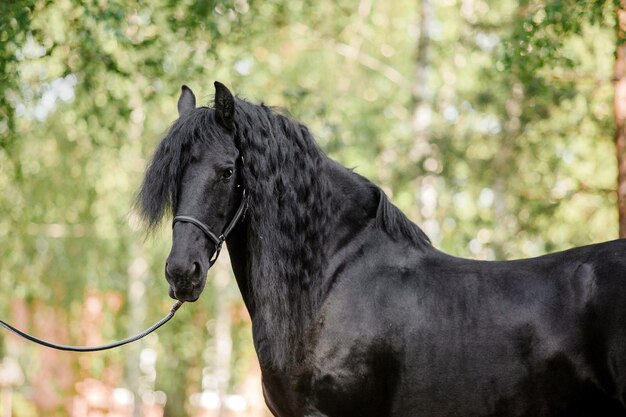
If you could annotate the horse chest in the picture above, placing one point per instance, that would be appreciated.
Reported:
(278, 397)
(326, 392)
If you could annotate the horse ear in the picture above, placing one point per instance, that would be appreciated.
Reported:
(186, 101)
(224, 104)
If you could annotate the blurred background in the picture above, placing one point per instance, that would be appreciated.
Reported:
(496, 125)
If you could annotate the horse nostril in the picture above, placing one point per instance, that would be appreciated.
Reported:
(181, 270)
(170, 269)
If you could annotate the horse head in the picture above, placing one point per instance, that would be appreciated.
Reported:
(195, 174)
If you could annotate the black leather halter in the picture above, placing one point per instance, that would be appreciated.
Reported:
(217, 240)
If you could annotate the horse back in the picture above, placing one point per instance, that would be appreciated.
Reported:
(455, 337)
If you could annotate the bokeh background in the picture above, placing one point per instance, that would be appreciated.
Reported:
(491, 123)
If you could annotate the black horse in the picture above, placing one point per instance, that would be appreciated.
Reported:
(354, 312)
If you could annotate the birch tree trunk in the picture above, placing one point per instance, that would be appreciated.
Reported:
(620, 114)
(423, 97)
(137, 314)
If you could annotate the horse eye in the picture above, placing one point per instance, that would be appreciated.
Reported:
(227, 173)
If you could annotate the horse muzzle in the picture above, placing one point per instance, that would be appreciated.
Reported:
(186, 280)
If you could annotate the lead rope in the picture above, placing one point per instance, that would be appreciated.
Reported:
(143, 334)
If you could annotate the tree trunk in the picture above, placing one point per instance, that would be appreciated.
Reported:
(137, 314)
(423, 102)
(421, 90)
(620, 114)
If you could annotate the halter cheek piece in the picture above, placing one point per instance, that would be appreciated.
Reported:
(217, 240)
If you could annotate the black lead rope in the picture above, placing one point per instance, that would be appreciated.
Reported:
(146, 332)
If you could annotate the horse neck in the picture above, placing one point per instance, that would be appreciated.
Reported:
(282, 307)
(239, 260)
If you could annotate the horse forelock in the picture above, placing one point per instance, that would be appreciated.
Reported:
(159, 189)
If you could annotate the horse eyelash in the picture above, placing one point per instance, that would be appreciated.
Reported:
(224, 170)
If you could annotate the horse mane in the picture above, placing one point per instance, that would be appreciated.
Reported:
(290, 217)
(393, 221)
(292, 212)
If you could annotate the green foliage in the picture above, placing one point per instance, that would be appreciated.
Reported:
(517, 158)
(14, 23)
(526, 150)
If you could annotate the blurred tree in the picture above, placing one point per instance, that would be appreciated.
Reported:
(516, 136)
(560, 52)
(620, 113)
(14, 25)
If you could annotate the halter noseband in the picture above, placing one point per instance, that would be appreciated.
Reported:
(217, 240)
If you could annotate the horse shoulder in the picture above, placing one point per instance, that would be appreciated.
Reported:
(356, 342)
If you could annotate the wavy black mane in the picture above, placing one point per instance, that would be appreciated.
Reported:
(292, 210)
